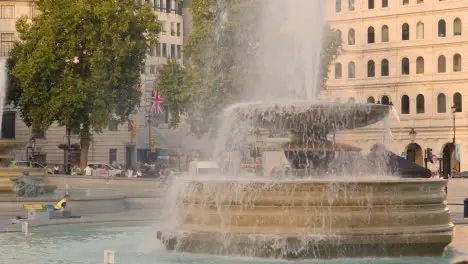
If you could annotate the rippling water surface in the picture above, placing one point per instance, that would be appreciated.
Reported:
(85, 244)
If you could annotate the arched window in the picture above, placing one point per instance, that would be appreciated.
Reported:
(441, 103)
(384, 68)
(370, 4)
(405, 107)
(441, 64)
(337, 70)
(420, 104)
(405, 31)
(457, 63)
(420, 30)
(370, 100)
(338, 32)
(405, 2)
(385, 35)
(338, 6)
(351, 5)
(405, 67)
(371, 68)
(351, 37)
(384, 3)
(457, 102)
(457, 27)
(442, 28)
(351, 70)
(370, 35)
(385, 100)
(420, 65)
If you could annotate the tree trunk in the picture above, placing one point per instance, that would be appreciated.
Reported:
(84, 142)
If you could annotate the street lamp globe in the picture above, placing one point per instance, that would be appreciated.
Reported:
(454, 108)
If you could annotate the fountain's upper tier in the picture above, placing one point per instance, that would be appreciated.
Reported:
(309, 121)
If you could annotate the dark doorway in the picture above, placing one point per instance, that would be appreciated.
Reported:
(112, 156)
(129, 154)
(414, 154)
(8, 125)
(447, 161)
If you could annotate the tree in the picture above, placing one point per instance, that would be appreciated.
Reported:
(331, 48)
(172, 83)
(76, 62)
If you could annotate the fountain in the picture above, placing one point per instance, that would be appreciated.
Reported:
(332, 211)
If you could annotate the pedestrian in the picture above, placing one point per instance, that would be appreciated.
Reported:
(56, 169)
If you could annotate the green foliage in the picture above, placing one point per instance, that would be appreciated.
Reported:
(172, 84)
(332, 47)
(76, 62)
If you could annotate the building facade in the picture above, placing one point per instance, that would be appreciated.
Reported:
(120, 142)
(412, 54)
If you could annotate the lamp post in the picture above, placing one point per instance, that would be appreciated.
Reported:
(454, 110)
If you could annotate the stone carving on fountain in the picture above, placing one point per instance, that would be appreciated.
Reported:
(6, 173)
(317, 217)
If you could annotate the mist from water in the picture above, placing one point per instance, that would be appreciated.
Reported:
(3, 87)
(288, 55)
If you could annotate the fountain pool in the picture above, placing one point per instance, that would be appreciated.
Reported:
(137, 244)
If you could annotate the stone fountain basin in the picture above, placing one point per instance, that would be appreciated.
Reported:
(316, 218)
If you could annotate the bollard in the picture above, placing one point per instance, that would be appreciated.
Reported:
(24, 228)
(109, 257)
(465, 208)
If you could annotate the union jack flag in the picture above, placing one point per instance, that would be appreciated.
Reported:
(156, 101)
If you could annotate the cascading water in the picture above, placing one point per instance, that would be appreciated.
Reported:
(3, 86)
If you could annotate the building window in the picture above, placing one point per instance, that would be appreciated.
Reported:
(173, 29)
(158, 50)
(130, 125)
(113, 125)
(405, 2)
(152, 69)
(420, 104)
(112, 156)
(338, 6)
(152, 52)
(405, 66)
(156, 5)
(405, 105)
(164, 50)
(9, 125)
(441, 64)
(370, 35)
(457, 27)
(32, 11)
(370, 4)
(420, 30)
(351, 5)
(173, 50)
(405, 31)
(420, 65)
(6, 43)
(442, 28)
(371, 68)
(351, 37)
(163, 27)
(384, 68)
(337, 70)
(40, 134)
(420, 2)
(457, 102)
(178, 30)
(371, 100)
(385, 34)
(7, 11)
(384, 3)
(179, 51)
(457, 63)
(441, 103)
(385, 100)
(351, 70)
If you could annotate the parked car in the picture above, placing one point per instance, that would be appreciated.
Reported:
(30, 164)
(100, 166)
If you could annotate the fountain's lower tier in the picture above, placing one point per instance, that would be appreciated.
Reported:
(311, 219)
